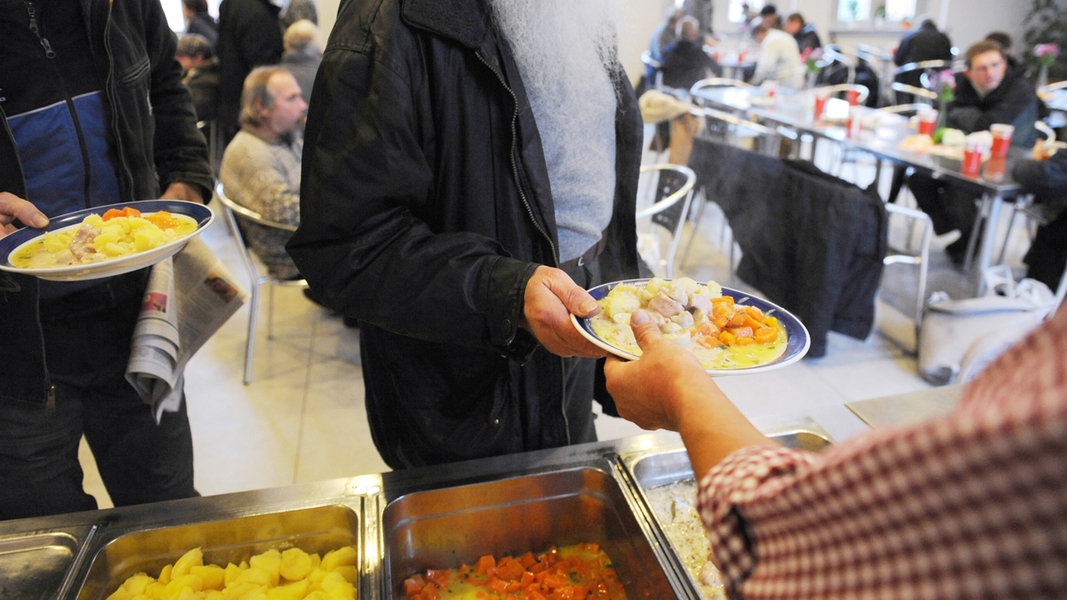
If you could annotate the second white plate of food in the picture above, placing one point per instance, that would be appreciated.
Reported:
(718, 317)
(16, 248)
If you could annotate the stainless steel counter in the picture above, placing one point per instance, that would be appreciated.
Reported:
(400, 521)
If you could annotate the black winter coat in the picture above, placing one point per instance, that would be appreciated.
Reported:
(425, 209)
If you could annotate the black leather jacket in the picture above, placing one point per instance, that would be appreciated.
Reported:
(154, 132)
(425, 208)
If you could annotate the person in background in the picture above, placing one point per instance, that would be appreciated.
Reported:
(925, 43)
(779, 58)
(469, 173)
(199, 21)
(803, 32)
(201, 73)
(662, 38)
(249, 36)
(684, 61)
(261, 165)
(703, 11)
(297, 10)
(970, 503)
(79, 133)
(1047, 180)
(988, 91)
(1005, 41)
(302, 54)
(768, 15)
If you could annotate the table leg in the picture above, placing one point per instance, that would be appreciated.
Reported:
(990, 213)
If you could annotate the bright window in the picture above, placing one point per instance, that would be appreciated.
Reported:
(869, 11)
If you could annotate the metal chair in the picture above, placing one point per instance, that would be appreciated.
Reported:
(653, 69)
(905, 254)
(671, 193)
(233, 212)
(712, 82)
(844, 88)
(739, 133)
(923, 68)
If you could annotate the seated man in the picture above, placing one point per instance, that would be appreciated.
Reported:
(1047, 180)
(684, 61)
(988, 91)
(261, 165)
(779, 58)
(803, 32)
(200, 73)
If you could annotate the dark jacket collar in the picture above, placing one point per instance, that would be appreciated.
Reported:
(461, 20)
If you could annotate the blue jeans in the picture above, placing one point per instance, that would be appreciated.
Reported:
(87, 345)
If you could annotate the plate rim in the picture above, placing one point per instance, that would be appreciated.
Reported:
(783, 361)
(203, 215)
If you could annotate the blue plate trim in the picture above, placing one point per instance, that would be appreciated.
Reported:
(202, 214)
(796, 345)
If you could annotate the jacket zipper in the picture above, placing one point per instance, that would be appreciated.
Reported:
(120, 154)
(50, 388)
(50, 54)
(536, 224)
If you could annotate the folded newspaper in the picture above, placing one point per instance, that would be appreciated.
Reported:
(189, 296)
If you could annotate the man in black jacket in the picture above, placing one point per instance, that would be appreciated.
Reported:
(468, 171)
(95, 113)
(989, 91)
(250, 35)
(925, 43)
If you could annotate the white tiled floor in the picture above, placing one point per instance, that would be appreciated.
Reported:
(302, 418)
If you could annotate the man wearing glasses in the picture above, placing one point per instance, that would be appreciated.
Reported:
(988, 91)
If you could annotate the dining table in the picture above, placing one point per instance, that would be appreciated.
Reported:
(881, 134)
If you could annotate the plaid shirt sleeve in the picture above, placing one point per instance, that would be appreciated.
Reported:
(971, 505)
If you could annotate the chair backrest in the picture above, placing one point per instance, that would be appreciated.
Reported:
(733, 129)
(842, 88)
(1046, 131)
(917, 92)
(905, 109)
(923, 66)
(673, 194)
(248, 213)
(713, 82)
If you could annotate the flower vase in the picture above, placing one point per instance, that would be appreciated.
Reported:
(1042, 77)
(942, 121)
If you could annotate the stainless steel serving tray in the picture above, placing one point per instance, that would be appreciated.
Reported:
(401, 522)
(663, 465)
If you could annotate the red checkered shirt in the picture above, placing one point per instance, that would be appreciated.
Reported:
(971, 505)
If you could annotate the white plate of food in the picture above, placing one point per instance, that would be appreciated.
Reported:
(81, 245)
(706, 318)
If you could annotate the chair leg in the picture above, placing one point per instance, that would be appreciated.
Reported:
(250, 342)
(270, 310)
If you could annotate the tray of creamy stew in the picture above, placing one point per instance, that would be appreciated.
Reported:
(729, 331)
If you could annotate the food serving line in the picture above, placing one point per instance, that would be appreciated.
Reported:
(401, 522)
(880, 134)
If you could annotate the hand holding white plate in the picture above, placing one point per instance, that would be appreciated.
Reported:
(796, 339)
(10, 244)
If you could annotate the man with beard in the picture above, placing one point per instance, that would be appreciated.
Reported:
(469, 170)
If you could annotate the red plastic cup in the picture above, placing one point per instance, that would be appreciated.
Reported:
(972, 160)
(820, 105)
(1001, 138)
(855, 122)
(927, 122)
